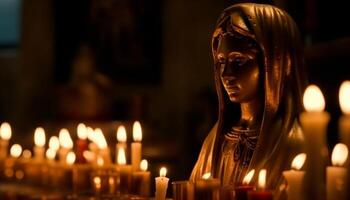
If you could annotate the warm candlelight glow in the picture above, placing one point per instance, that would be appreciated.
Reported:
(100, 139)
(121, 134)
(90, 133)
(5, 131)
(206, 175)
(339, 154)
(16, 150)
(144, 165)
(313, 99)
(97, 182)
(162, 172)
(344, 97)
(26, 154)
(248, 177)
(121, 160)
(299, 161)
(137, 131)
(39, 137)
(70, 159)
(100, 161)
(50, 154)
(65, 139)
(54, 143)
(262, 179)
(82, 131)
(88, 155)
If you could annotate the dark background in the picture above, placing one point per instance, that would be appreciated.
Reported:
(116, 61)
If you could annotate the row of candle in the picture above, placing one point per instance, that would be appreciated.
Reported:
(90, 165)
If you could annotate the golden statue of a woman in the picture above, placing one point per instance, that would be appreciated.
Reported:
(259, 79)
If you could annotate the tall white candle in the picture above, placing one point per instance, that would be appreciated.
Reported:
(102, 146)
(314, 124)
(336, 174)
(295, 178)
(121, 138)
(66, 144)
(39, 141)
(136, 146)
(344, 121)
(5, 136)
(161, 184)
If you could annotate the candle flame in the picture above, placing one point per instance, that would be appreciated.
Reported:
(70, 159)
(262, 179)
(54, 143)
(206, 176)
(100, 161)
(248, 177)
(344, 97)
(50, 154)
(111, 180)
(90, 134)
(39, 137)
(16, 150)
(121, 160)
(26, 154)
(137, 131)
(100, 139)
(299, 161)
(97, 182)
(65, 139)
(5, 131)
(144, 165)
(82, 131)
(339, 154)
(313, 99)
(89, 156)
(121, 134)
(162, 172)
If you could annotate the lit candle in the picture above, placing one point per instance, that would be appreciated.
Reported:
(136, 146)
(261, 193)
(97, 185)
(82, 144)
(5, 136)
(39, 141)
(295, 178)
(125, 172)
(121, 138)
(314, 124)
(54, 143)
(11, 163)
(102, 146)
(66, 144)
(336, 174)
(243, 189)
(50, 155)
(141, 180)
(161, 184)
(16, 151)
(92, 146)
(207, 188)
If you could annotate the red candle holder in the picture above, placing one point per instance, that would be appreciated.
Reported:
(241, 191)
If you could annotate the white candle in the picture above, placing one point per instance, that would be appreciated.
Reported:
(50, 155)
(66, 144)
(121, 138)
(336, 175)
(161, 184)
(295, 178)
(344, 121)
(125, 172)
(314, 124)
(15, 150)
(136, 146)
(39, 141)
(102, 146)
(5, 136)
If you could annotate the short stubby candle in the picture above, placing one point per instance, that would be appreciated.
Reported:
(141, 180)
(161, 184)
(261, 193)
(336, 174)
(207, 188)
(295, 178)
(242, 190)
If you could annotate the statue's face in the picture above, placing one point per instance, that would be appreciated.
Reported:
(239, 70)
